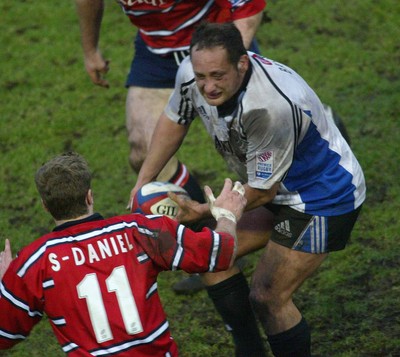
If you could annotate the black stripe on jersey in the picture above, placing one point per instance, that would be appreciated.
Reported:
(68, 239)
(58, 321)
(215, 251)
(239, 115)
(142, 257)
(298, 118)
(132, 343)
(18, 303)
(296, 112)
(69, 347)
(179, 251)
(153, 289)
(198, 16)
(12, 336)
(48, 283)
(186, 112)
(147, 12)
(113, 227)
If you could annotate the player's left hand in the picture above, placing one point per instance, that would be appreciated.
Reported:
(189, 210)
(5, 258)
(230, 203)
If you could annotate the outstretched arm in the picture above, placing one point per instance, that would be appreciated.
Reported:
(192, 211)
(227, 208)
(165, 142)
(90, 13)
(5, 258)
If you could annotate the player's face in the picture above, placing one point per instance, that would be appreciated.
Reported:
(217, 79)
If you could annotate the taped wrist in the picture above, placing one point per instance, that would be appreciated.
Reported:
(219, 212)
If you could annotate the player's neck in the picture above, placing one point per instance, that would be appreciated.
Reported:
(62, 221)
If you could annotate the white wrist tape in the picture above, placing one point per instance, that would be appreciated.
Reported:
(219, 212)
(238, 187)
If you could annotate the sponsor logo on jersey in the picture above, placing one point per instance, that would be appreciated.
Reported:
(262, 59)
(141, 2)
(264, 164)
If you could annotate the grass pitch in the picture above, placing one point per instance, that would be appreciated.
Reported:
(347, 50)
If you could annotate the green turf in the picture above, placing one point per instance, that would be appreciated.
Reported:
(349, 51)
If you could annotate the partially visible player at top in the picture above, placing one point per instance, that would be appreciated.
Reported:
(96, 278)
(165, 28)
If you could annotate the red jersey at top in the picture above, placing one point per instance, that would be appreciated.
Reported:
(167, 25)
(96, 280)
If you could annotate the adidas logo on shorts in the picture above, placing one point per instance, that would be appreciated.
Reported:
(284, 228)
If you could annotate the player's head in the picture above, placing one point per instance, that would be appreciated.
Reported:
(64, 185)
(219, 61)
(226, 35)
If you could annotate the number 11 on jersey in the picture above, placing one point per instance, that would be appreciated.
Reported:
(117, 283)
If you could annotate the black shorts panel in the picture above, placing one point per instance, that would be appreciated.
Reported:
(311, 234)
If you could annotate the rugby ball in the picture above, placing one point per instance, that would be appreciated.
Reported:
(153, 198)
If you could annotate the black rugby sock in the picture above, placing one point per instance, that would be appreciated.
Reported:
(231, 299)
(295, 342)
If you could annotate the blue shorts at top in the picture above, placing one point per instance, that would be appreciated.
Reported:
(157, 71)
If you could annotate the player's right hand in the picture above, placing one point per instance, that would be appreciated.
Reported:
(135, 189)
(97, 67)
(189, 211)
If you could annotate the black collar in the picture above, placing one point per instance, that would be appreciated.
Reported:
(91, 218)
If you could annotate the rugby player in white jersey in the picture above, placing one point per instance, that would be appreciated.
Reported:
(164, 29)
(274, 132)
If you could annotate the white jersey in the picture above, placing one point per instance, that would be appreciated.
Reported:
(279, 132)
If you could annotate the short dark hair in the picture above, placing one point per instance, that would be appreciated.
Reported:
(63, 184)
(209, 35)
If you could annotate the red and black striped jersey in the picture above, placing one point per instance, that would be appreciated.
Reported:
(167, 25)
(96, 280)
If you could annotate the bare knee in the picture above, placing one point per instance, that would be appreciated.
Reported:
(143, 108)
(137, 149)
(264, 297)
(139, 135)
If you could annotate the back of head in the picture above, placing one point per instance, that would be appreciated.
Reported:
(226, 35)
(63, 184)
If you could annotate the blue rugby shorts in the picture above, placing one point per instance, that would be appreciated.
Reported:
(310, 233)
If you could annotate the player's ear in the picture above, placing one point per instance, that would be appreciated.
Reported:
(89, 197)
(44, 205)
(243, 64)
